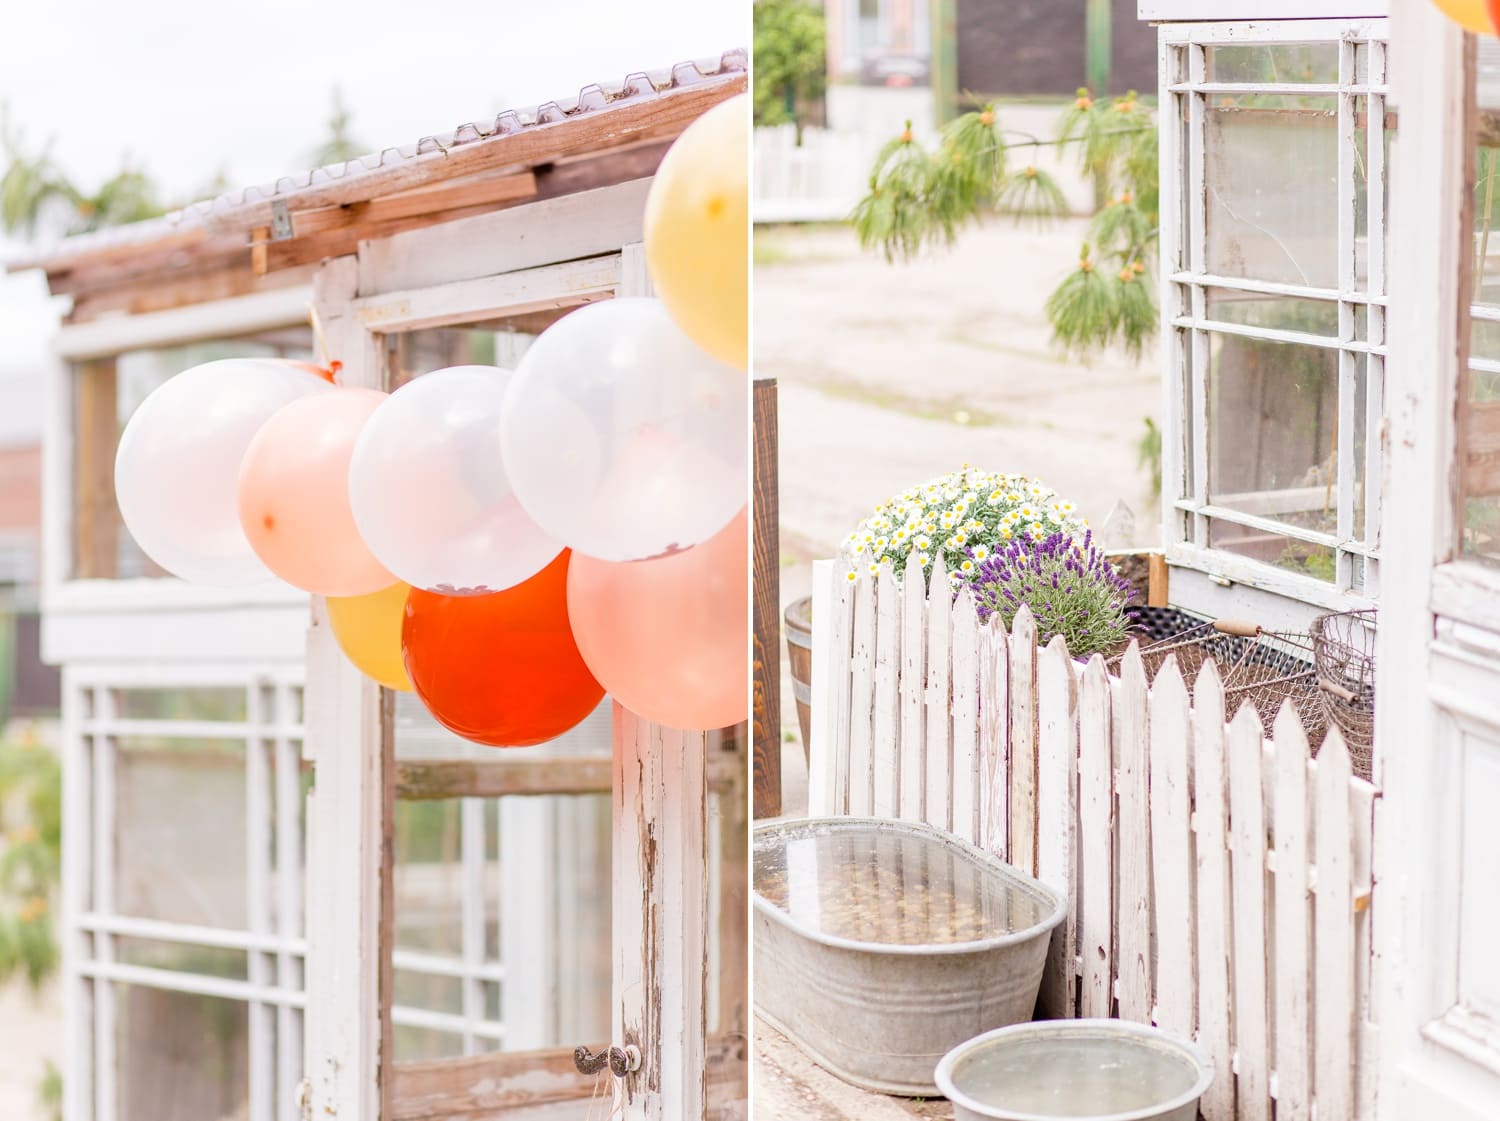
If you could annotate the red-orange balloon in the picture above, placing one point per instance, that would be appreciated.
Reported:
(670, 637)
(324, 372)
(503, 668)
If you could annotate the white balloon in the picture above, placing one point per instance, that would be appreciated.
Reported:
(429, 492)
(621, 437)
(177, 468)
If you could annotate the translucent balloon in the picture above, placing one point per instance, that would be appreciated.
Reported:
(429, 492)
(622, 438)
(294, 495)
(697, 230)
(670, 638)
(177, 468)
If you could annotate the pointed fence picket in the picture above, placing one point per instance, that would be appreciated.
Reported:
(1219, 879)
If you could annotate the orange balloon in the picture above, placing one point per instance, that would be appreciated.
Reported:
(670, 637)
(294, 495)
(324, 372)
(502, 668)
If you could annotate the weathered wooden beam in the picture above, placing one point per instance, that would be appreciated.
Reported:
(1481, 466)
(767, 606)
(498, 778)
(96, 534)
(485, 1087)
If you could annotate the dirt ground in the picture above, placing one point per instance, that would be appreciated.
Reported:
(888, 375)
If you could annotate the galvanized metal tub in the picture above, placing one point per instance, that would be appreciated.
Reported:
(880, 945)
(1065, 1070)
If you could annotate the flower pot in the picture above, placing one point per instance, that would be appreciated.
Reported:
(881, 944)
(1103, 1070)
(799, 648)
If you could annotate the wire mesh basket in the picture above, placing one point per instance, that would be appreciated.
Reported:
(1259, 667)
(1344, 656)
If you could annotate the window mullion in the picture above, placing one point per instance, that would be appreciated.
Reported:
(288, 778)
(1197, 263)
(106, 1008)
(1348, 281)
(262, 1016)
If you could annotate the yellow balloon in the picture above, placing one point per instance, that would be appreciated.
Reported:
(697, 231)
(1470, 14)
(368, 629)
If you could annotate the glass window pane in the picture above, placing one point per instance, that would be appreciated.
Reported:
(415, 1045)
(207, 961)
(106, 393)
(496, 342)
(226, 704)
(181, 1057)
(180, 830)
(1271, 167)
(1315, 561)
(1280, 313)
(1276, 63)
(1273, 417)
(1480, 411)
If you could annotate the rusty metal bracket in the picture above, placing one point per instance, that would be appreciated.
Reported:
(281, 220)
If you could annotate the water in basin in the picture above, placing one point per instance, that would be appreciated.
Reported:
(1074, 1076)
(871, 884)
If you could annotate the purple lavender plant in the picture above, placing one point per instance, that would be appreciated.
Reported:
(1069, 586)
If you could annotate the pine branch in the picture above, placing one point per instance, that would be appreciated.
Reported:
(1083, 309)
(1032, 193)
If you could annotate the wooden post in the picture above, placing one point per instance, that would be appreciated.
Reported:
(767, 621)
(97, 432)
(943, 69)
(661, 915)
(348, 821)
(1098, 45)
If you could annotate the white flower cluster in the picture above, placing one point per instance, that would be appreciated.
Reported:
(962, 516)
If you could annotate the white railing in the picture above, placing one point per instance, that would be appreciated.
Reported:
(1219, 880)
(819, 180)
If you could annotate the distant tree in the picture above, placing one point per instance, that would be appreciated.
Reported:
(340, 147)
(34, 192)
(791, 60)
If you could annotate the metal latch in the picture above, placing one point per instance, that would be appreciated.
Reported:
(620, 1060)
(281, 220)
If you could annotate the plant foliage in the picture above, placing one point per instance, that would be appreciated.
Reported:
(30, 858)
(1071, 588)
(790, 59)
(918, 198)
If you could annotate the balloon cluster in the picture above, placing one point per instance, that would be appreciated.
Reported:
(507, 544)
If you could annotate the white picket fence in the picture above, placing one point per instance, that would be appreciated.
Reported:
(819, 180)
(1219, 879)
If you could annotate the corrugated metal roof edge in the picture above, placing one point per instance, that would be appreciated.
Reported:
(592, 98)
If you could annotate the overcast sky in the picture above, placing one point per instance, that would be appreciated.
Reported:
(188, 90)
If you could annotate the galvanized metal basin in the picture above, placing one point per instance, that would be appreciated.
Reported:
(880, 945)
(1067, 1070)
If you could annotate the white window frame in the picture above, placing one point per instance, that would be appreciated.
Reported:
(1187, 506)
(275, 950)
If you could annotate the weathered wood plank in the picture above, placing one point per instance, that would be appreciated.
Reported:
(885, 746)
(1212, 852)
(1172, 850)
(861, 769)
(1293, 1039)
(766, 607)
(1247, 817)
(1133, 907)
(913, 685)
(833, 627)
(1333, 1037)
(1023, 741)
(660, 912)
(495, 778)
(938, 745)
(994, 739)
(964, 780)
(1096, 827)
(1057, 817)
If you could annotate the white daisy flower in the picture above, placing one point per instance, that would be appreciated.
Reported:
(981, 550)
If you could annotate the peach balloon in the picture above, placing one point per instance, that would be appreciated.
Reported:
(294, 495)
(669, 637)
